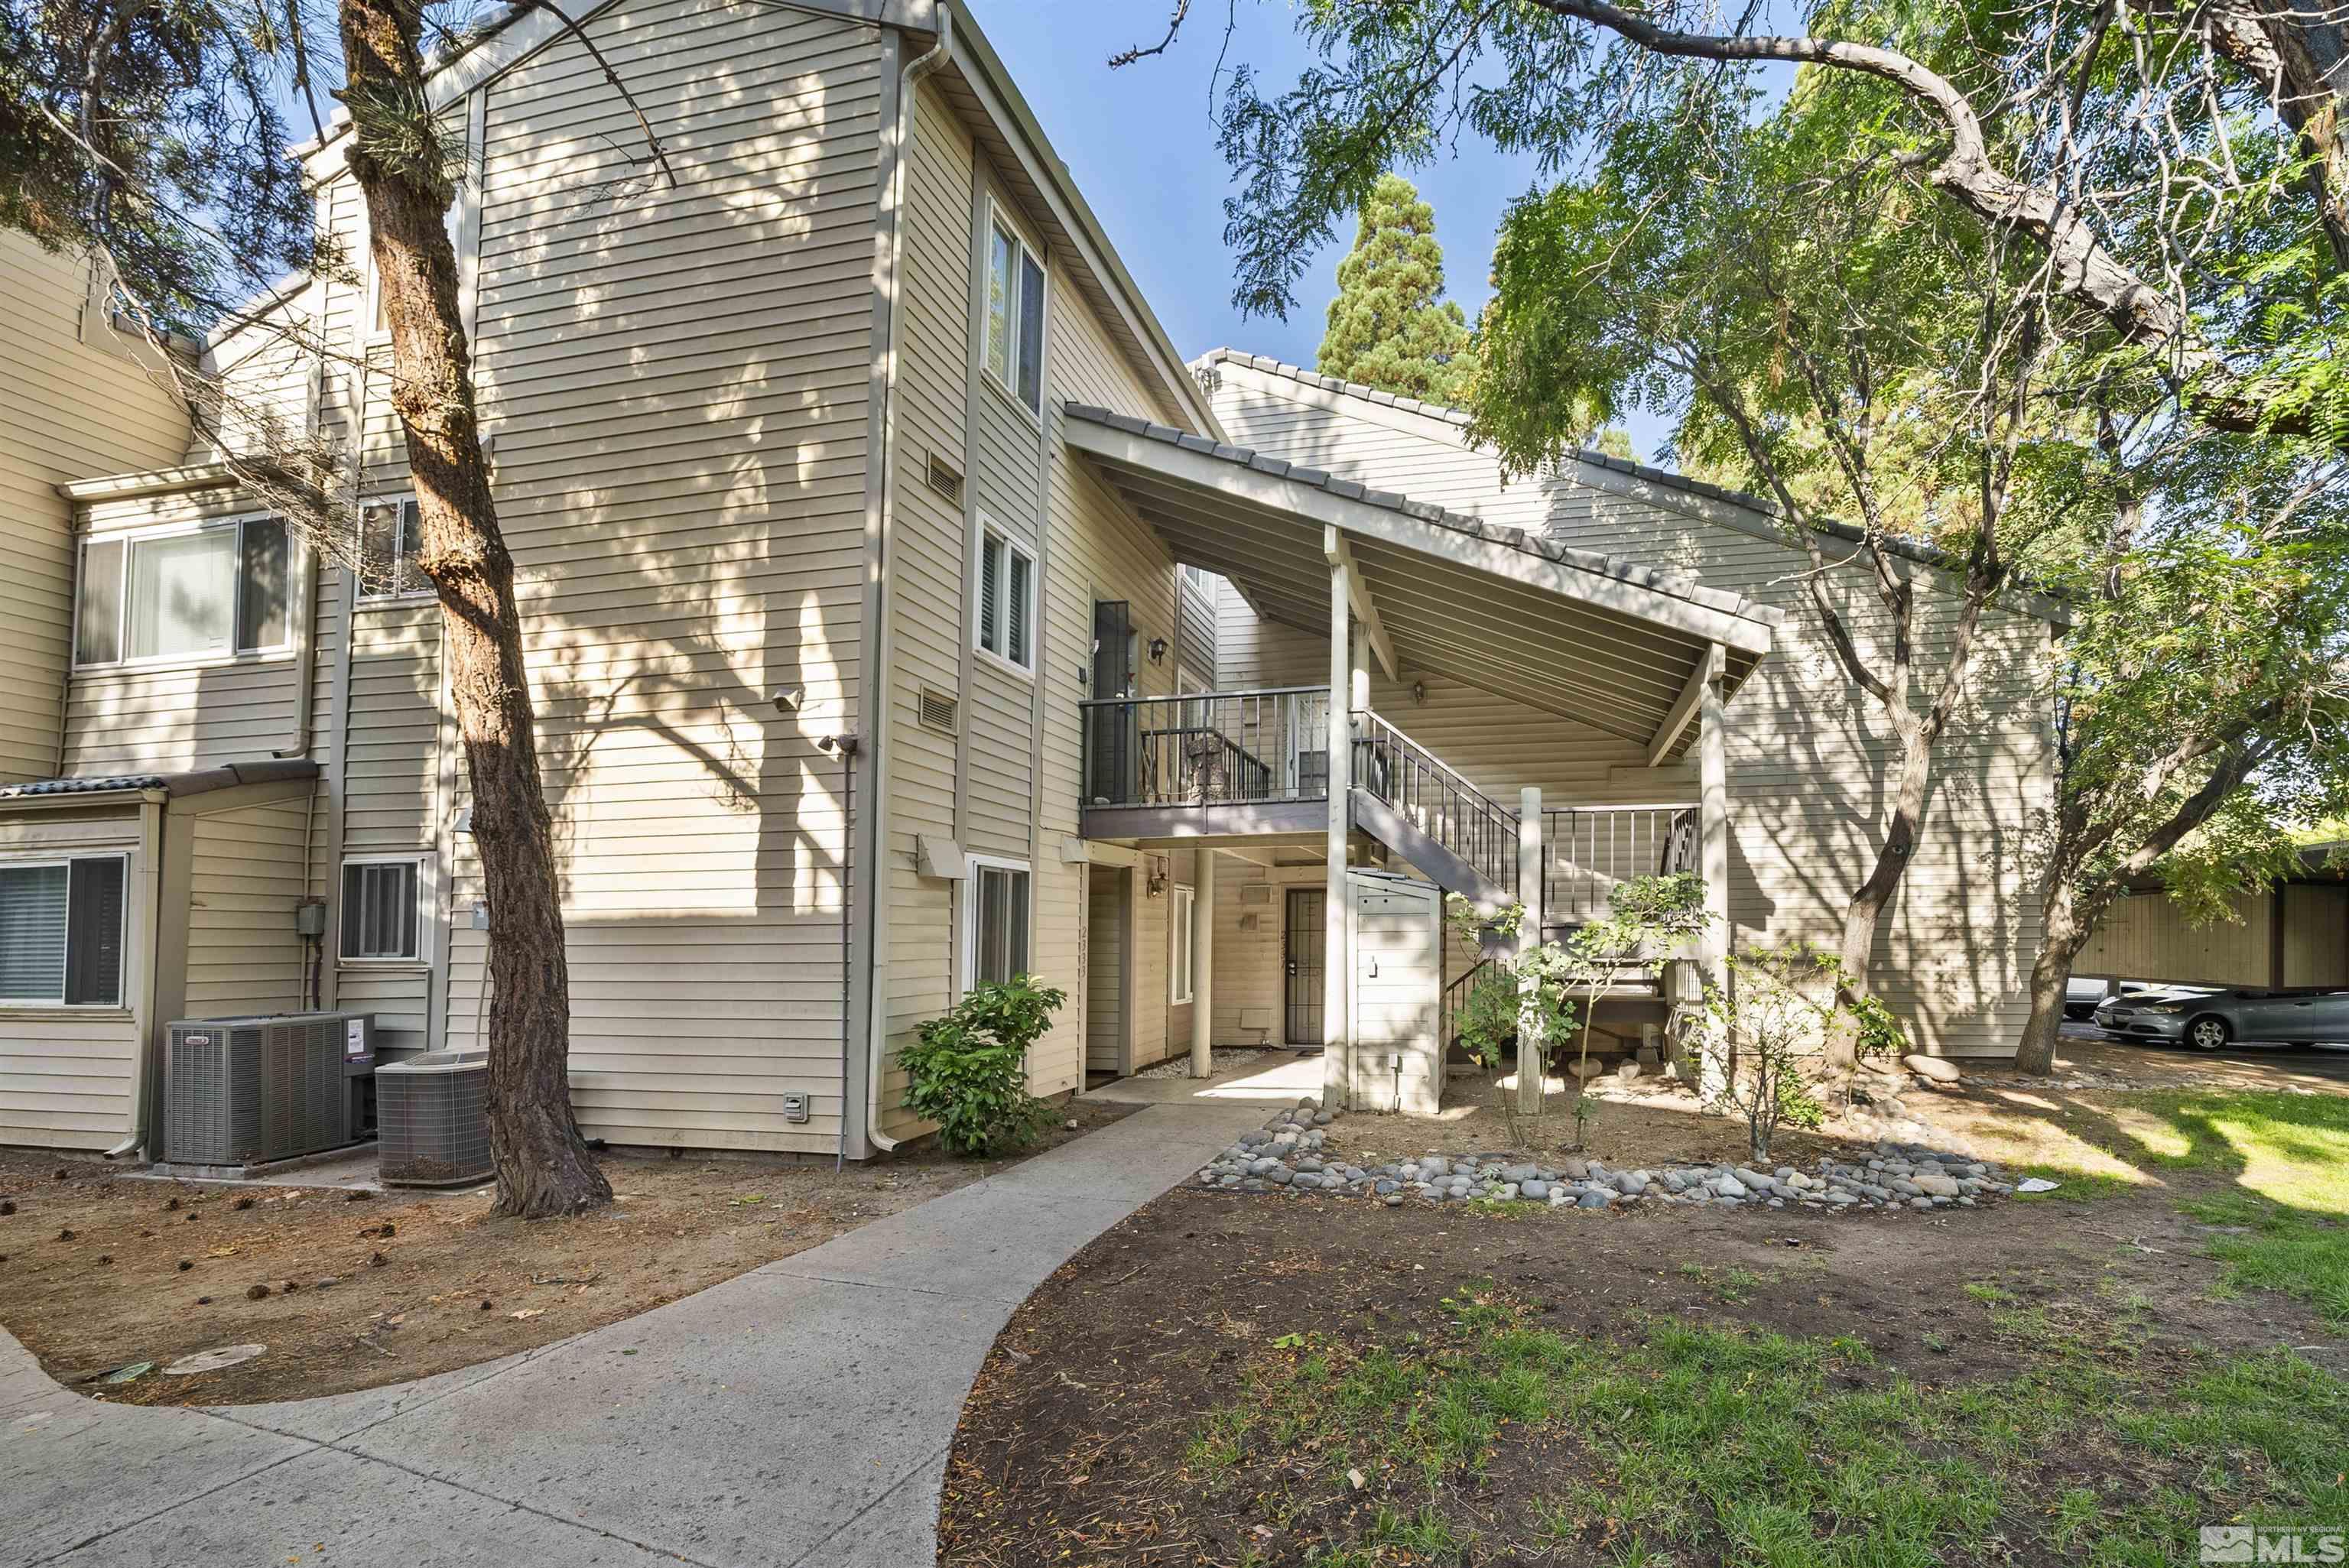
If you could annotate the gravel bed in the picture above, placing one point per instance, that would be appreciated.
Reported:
(1286, 1155)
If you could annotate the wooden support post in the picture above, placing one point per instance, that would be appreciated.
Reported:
(1203, 964)
(1713, 839)
(1336, 952)
(1531, 1044)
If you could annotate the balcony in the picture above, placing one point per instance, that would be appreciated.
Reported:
(1207, 763)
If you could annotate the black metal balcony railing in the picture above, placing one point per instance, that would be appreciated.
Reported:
(1589, 850)
(1435, 798)
(1208, 748)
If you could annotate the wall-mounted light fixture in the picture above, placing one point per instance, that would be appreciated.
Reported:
(1157, 650)
(1418, 693)
(1156, 880)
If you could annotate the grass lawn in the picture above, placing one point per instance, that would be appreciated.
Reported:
(2272, 1167)
(1690, 1443)
(1301, 1383)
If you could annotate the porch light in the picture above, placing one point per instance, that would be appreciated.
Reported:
(1157, 650)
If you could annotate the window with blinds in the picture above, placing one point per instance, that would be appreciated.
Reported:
(225, 588)
(1007, 599)
(380, 912)
(996, 923)
(61, 931)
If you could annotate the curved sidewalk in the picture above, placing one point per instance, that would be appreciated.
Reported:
(795, 1416)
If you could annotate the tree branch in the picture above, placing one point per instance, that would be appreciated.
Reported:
(2084, 269)
(660, 154)
(1173, 26)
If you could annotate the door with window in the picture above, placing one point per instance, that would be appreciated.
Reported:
(1113, 739)
(1303, 943)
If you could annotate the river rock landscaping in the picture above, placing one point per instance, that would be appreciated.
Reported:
(1290, 1153)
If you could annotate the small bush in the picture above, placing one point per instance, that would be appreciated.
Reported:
(968, 1069)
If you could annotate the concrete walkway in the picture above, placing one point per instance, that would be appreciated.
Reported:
(798, 1415)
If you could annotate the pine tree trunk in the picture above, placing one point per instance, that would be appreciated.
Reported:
(543, 1166)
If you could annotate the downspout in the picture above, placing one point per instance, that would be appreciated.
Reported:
(876, 672)
(305, 653)
(142, 1000)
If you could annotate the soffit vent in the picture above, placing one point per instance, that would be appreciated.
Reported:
(945, 478)
(938, 711)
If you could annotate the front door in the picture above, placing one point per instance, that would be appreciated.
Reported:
(1109, 745)
(1303, 941)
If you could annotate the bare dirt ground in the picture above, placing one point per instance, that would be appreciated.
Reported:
(348, 1291)
(1993, 1111)
(1171, 1307)
(1082, 1441)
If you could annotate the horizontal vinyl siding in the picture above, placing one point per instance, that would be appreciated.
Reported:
(69, 409)
(247, 876)
(929, 609)
(678, 380)
(1095, 549)
(1808, 758)
(69, 1080)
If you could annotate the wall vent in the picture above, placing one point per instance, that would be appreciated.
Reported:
(945, 478)
(938, 711)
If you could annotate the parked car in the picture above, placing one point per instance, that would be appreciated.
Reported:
(2302, 1016)
(2083, 997)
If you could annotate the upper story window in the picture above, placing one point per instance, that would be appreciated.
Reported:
(1015, 316)
(189, 594)
(387, 544)
(61, 931)
(1006, 599)
(1199, 577)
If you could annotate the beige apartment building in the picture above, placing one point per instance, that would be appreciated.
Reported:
(904, 612)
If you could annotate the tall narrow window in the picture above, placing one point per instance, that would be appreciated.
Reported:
(1007, 599)
(190, 595)
(1180, 978)
(996, 924)
(387, 545)
(1015, 316)
(61, 924)
(379, 911)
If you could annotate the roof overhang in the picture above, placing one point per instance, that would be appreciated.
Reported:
(1609, 642)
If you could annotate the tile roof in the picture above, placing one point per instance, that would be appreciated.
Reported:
(198, 782)
(1534, 545)
(1909, 549)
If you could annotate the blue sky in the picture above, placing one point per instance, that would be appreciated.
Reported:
(1141, 144)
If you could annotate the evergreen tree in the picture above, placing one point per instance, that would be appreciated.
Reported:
(1390, 327)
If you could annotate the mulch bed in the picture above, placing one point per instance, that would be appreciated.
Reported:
(1072, 1447)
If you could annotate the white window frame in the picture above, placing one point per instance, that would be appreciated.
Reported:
(967, 960)
(366, 600)
(122, 937)
(1000, 218)
(1198, 577)
(424, 911)
(1182, 989)
(296, 607)
(989, 530)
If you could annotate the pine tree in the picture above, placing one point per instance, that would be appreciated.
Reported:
(1390, 327)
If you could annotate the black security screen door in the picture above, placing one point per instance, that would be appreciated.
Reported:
(1303, 940)
(1111, 747)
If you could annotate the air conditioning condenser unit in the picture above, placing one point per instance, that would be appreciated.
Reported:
(432, 1114)
(247, 1092)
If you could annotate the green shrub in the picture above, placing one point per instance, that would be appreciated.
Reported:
(968, 1069)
